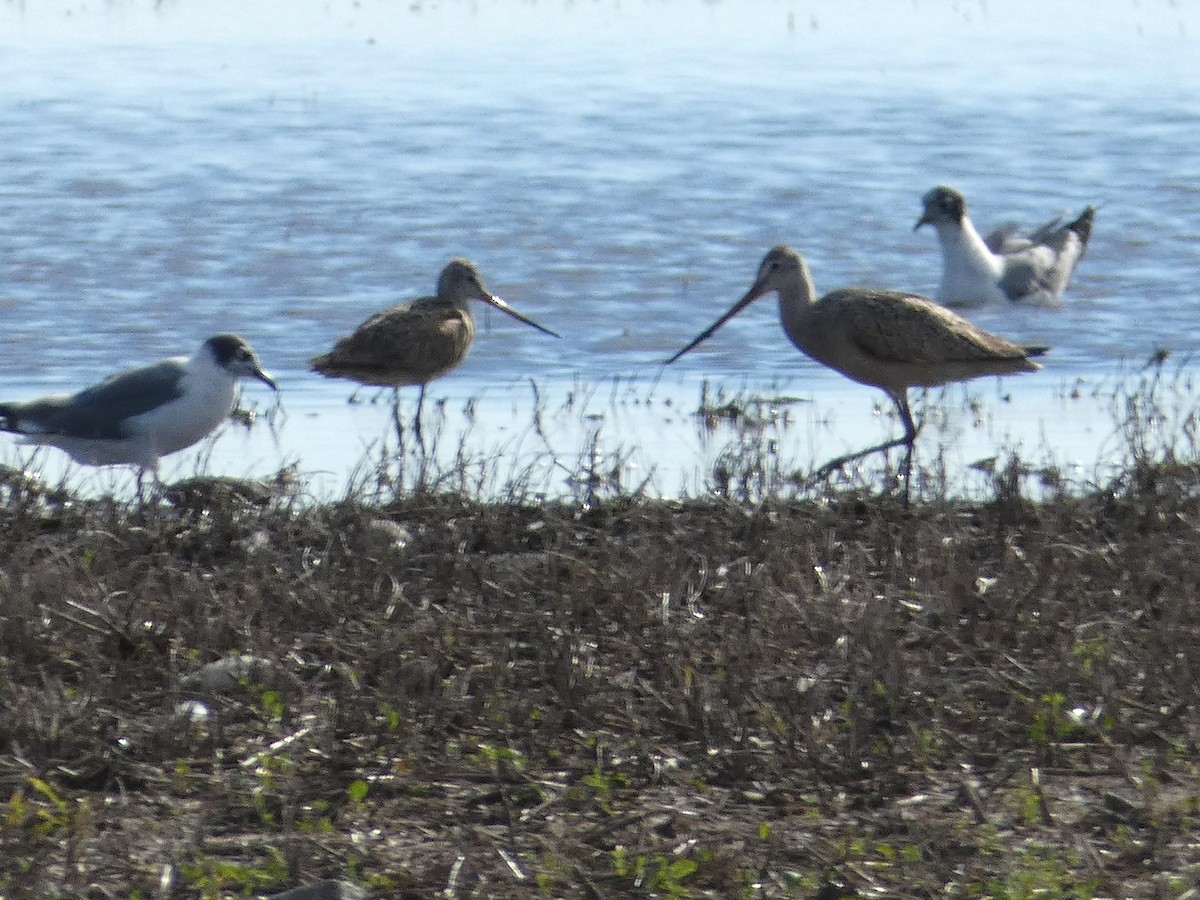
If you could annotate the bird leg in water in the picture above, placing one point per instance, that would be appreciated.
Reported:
(906, 417)
(840, 462)
(910, 434)
(417, 419)
(906, 471)
(398, 422)
(156, 486)
(908, 441)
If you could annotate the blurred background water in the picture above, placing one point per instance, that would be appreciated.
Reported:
(617, 170)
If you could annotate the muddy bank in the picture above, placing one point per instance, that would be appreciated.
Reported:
(239, 692)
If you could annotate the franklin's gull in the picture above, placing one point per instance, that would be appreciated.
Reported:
(137, 416)
(1005, 265)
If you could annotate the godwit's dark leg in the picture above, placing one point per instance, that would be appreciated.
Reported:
(907, 440)
(910, 440)
(396, 420)
(906, 416)
(417, 420)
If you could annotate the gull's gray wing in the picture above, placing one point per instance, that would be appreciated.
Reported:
(1044, 268)
(1023, 276)
(1039, 272)
(1006, 238)
(1046, 233)
(1047, 264)
(100, 412)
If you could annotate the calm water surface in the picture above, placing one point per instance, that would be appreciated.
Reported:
(616, 171)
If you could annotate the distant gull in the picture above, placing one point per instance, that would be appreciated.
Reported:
(1005, 265)
(137, 416)
(416, 342)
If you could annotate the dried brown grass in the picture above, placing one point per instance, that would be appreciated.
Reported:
(827, 697)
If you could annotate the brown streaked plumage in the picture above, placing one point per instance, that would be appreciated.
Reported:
(889, 340)
(416, 342)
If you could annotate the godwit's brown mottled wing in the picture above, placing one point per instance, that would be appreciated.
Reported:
(896, 341)
(897, 327)
(410, 343)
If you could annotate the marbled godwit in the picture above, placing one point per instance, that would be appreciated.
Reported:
(1005, 265)
(885, 339)
(137, 416)
(414, 343)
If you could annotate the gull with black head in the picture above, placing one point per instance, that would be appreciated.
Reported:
(885, 339)
(140, 415)
(416, 342)
(1005, 265)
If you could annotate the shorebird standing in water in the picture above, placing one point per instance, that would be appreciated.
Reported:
(1005, 265)
(416, 342)
(889, 340)
(137, 416)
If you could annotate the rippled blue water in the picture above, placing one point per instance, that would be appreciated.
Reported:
(617, 172)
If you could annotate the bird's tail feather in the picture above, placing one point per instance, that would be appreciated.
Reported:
(8, 417)
(1083, 225)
